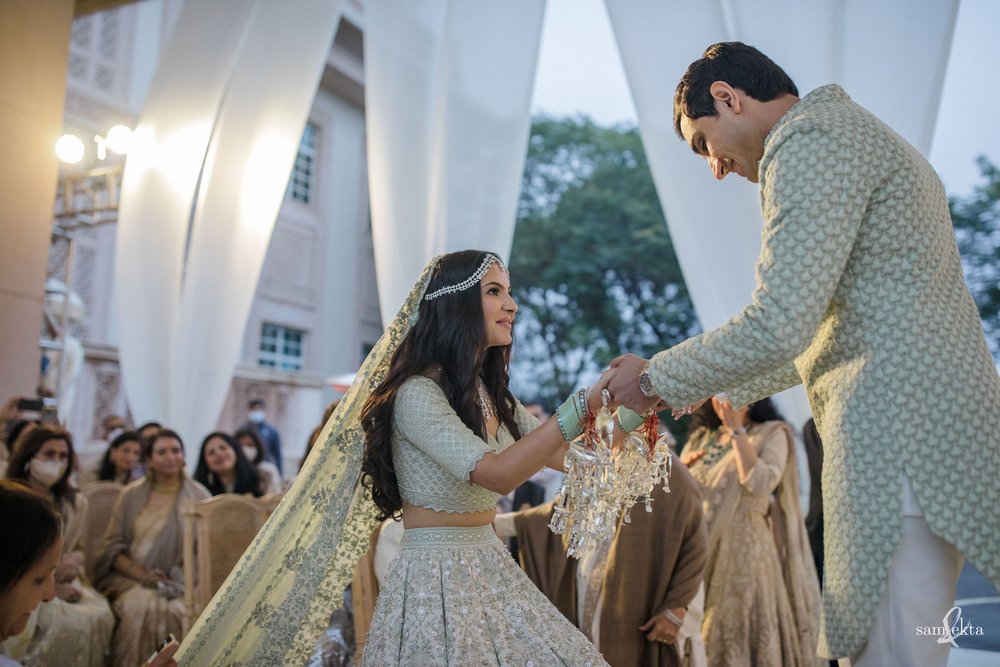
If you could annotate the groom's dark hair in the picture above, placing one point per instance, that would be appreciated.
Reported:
(737, 64)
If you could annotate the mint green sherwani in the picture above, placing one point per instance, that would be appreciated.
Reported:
(860, 296)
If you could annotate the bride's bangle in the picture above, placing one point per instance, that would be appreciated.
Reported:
(570, 417)
(629, 420)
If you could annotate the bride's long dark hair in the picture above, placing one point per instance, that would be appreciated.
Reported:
(450, 333)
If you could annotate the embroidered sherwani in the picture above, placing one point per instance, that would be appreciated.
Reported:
(860, 296)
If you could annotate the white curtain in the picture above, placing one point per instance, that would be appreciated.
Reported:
(230, 100)
(890, 56)
(158, 191)
(448, 92)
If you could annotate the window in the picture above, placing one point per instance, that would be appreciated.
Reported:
(300, 185)
(280, 347)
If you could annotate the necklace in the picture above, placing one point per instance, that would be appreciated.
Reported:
(167, 488)
(486, 403)
(714, 450)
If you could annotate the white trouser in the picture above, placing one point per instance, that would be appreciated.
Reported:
(923, 575)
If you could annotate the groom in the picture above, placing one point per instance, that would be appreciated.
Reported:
(860, 297)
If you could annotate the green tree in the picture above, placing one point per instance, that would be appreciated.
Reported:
(977, 230)
(593, 268)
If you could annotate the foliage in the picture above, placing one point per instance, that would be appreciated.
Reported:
(977, 230)
(592, 265)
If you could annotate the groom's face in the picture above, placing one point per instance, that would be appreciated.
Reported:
(726, 141)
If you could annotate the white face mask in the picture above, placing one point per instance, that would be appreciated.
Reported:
(114, 433)
(46, 472)
(256, 416)
(250, 453)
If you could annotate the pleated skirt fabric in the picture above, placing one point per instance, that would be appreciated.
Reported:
(454, 596)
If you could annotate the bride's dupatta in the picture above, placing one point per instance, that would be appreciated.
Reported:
(278, 599)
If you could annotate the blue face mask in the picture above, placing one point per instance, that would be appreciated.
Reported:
(256, 416)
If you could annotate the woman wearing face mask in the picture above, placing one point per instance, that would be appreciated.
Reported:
(140, 569)
(253, 449)
(224, 468)
(121, 458)
(76, 626)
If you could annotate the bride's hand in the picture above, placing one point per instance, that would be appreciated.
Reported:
(594, 398)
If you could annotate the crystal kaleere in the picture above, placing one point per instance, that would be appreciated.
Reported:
(604, 482)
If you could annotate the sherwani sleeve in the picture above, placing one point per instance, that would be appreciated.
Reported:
(814, 190)
(783, 378)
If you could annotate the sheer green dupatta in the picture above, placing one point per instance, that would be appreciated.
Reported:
(277, 601)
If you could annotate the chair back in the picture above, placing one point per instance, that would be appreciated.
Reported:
(216, 533)
(101, 497)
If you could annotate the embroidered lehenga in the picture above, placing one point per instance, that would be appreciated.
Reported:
(761, 597)
(454, 596)
(276, 602)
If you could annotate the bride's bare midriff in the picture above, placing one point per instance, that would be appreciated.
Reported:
(421, 517)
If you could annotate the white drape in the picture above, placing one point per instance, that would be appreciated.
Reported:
(158, 190)
(448, 91)
(890, 56)
(226, 112)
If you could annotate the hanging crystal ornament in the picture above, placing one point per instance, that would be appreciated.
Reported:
(603, 482)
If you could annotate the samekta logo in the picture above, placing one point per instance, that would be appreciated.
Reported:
(951, 628)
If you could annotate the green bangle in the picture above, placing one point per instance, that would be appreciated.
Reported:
(629, 420)
(569, 419)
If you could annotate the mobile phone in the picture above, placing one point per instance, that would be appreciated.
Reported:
(166, 640)
(30, 405)
(163, 644)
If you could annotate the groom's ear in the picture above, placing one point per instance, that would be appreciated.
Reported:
(725, 96)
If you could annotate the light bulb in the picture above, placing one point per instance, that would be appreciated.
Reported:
(119, 139)
(69, 148)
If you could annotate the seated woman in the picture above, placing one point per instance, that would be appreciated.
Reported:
(75, 627)
(121, 458)
(253, 449)
(761, 602)
(31, 532)
(140, 569)
(224, 468)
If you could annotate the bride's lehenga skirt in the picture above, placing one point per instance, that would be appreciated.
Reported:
(454, 596)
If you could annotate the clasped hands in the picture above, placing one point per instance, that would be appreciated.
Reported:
(622, 382)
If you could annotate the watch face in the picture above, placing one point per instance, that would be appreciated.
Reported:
(646, 384)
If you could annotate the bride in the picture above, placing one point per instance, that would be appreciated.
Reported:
(433, 426)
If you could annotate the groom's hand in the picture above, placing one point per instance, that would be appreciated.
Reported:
(624, 385)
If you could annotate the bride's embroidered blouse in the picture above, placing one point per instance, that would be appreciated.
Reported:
(434, 452)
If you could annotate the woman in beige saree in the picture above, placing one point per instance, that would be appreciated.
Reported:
(140, 569)
(761, 594)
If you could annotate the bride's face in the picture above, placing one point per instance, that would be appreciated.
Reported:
(498, 306)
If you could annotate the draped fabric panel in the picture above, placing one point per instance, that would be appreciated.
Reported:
(226, 112)
(158, 190)
(448, 91)
(253, 147)
(888, 56)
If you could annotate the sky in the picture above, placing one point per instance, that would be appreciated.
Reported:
(579, 71)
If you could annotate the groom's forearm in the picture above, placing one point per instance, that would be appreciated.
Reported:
(784, 378)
